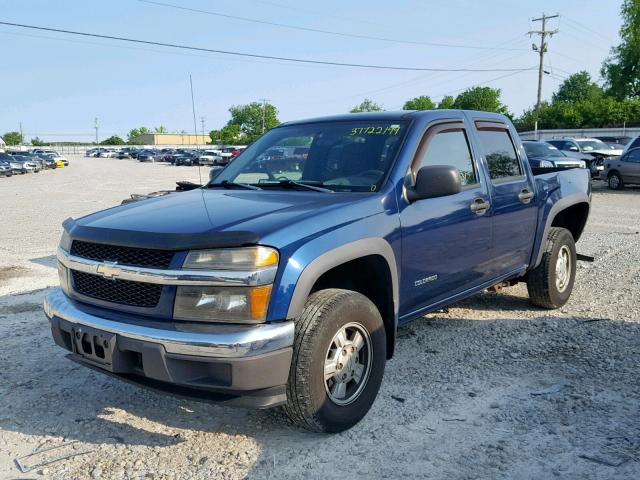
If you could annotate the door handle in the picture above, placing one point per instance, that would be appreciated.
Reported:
(480, 206)
(525, 196)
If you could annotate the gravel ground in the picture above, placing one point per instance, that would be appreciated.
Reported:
(493, 388)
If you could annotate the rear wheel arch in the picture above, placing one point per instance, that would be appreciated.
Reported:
(365, 266)
(572, 213)
(573, 218)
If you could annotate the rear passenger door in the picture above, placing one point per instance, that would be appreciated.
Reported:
(513, 197)
(446, 241)
(630, 166)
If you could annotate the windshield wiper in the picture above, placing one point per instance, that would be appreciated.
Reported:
(228, 184)
(293, 183)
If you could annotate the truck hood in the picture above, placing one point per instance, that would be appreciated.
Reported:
(205, 218)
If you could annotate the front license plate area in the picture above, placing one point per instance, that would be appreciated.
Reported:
(94, 345)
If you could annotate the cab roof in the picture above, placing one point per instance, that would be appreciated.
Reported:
(396, 116)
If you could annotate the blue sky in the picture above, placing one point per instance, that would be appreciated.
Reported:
(56, 84)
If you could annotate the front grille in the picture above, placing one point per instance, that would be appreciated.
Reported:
(125, 292)
(139, 257)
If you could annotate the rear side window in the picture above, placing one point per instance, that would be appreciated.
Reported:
(634, 156)
(500, 153)
(451, 148)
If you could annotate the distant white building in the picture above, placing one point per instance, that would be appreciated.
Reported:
(2, 144)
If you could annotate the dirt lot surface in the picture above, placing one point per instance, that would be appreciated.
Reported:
(494, 388)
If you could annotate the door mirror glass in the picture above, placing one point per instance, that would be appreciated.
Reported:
(435, 181)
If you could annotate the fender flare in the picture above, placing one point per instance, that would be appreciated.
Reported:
(337, 256)
(556, 208)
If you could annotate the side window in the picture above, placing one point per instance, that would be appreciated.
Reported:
(500, 154)
(633, 156)
(450, 147)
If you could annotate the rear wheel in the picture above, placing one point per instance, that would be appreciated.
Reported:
(615, 181)
(338, 361)
(551, 282)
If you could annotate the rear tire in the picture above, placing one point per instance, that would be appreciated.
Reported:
(615, 181)
(550, 283)
(339, 354)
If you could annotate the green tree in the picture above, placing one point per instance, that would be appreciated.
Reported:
(446, 103)
(578, 87)
(254, 119)
(113, 140)
(136, 132)
(160, 129)
(12, 138)
(422, 102)
(227, 135)
(621, 70)
(486, 99)
(367, 105)
(36, 142)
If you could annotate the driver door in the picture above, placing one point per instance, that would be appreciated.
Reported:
(446, 241)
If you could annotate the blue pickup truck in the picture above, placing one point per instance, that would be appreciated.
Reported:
(284, 280)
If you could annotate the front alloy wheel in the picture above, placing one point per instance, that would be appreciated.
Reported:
(347, 364)
(339, 354)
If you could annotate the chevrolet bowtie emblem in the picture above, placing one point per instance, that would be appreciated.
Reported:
(108, 270)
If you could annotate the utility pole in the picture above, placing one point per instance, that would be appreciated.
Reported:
(264, 112)
(95, 125)
(202, 124)
(542, 49)
(21, 134)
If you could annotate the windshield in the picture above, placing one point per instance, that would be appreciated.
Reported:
(341, 156)
(541, 149)
(587, 145)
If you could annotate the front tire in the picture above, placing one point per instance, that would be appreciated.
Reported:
(339, 354)
(551, 282)
(615, 181)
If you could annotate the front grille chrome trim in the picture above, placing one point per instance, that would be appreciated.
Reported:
(264, 276)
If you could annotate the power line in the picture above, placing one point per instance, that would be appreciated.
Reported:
(317, 30)
(542, 49)
(577, 24)
(254, 55)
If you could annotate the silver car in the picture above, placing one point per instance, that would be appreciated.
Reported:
(621, 170)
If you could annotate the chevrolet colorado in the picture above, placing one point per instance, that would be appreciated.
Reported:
(284, 282)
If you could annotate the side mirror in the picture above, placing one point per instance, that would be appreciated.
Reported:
(435, 181)
(573, 148)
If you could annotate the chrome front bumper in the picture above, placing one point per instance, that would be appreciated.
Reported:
(197, 339)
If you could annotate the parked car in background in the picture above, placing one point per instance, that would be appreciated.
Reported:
(26, 165)
(5, 169)
(616, 141)
(229, 153)
(622, 170)
(108, 154)
(591, 150)
(16, 166)
(209, 157)
(186, 158)
(147, 156)
(59, 159)
(42, 161)
(545, 155)
(128, 152)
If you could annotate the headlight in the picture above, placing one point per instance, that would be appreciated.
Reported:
(65, 241)
(546, 164)
(234, 304)
(250, 258)
(583, 164)
(222, 304)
